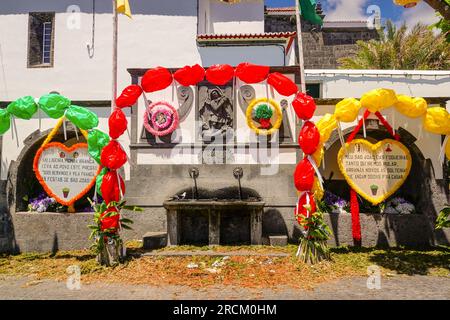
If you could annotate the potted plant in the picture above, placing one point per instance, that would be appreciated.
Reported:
(313, 246)
(108, 245)
(374, 189)
(263, 114)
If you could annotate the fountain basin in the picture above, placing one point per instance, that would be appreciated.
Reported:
(216, 212)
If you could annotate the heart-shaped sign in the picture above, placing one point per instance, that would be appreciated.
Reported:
(375, 171)
(65, 173)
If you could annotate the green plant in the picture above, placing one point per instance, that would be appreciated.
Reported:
(400, 49)
(102, 235)
(443, 220)
(263, 111)
(444, 26)
(313, 243)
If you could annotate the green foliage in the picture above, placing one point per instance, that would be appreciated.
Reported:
(317, 228)
(100, 236)
(313, 245)
(400, 49)
(443, 220)
(263, 111)
(444, 26)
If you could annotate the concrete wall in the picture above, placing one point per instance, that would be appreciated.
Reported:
(222, 18)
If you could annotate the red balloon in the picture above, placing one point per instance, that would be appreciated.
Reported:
(129, 96)
(189, 76)
(252, 73)
(117, 123)
(110, 187)
(301, 211)
(304, 176)
(282, 84)
(111, 222)
(113, 156)
(219, 74)
(304, 106)
(309, 138)
(156, 79)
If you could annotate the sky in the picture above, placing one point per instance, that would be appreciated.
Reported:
(356, 9)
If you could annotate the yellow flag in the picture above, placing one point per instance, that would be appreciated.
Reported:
(123, 6)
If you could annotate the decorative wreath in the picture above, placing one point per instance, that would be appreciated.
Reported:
(261, 111)
(158, 111)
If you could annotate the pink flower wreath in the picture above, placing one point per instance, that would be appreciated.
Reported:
(152, 113)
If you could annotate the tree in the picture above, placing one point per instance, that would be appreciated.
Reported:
(441, 6)
(400, 49)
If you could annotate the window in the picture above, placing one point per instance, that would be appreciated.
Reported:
(314, 90)
(41, 39)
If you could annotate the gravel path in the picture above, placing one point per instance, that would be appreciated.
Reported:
(398, 287)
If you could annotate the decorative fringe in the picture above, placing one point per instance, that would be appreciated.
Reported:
(364, 128)
(54, 131)
(316, 169)
(442, 152)
(312, 252)
(340, 133)
(356, 224)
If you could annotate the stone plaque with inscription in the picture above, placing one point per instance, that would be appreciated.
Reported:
(375, 171)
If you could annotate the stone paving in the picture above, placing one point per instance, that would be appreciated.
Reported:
(398, 287)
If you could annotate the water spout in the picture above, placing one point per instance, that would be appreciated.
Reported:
(194, 173)
(238, 172)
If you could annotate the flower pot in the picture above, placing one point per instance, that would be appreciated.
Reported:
(264, 123)
(112, 254)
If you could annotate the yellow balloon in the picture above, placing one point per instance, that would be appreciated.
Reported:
(347, 110)
(318, 155)
(317, 190)
(437, 120)
(447, 149)
(326, 125)
(411, 107)
(378, 99)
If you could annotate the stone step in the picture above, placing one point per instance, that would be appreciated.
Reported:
(278, 240)
(154, 240)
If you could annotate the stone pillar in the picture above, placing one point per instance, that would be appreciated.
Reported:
(256, 226)
(172, 228)
(214, 227)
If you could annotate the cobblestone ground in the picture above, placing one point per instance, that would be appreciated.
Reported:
(398, 287)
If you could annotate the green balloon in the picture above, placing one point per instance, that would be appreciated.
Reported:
(82, 117)
(54, 105)
(23, 108)
(97, 140)
(99, 180)
(5, 121)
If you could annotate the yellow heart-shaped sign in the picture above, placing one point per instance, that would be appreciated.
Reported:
(375, 171)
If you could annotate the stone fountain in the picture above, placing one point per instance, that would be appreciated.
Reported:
(223, 213)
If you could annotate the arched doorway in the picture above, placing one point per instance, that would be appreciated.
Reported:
(22, 183)
(421, 188)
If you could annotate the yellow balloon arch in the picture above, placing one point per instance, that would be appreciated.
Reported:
(435, 120)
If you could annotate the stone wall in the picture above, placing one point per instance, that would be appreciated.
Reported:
(322, 48)
(49, 232)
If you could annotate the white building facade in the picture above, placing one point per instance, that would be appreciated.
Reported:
(71, 53)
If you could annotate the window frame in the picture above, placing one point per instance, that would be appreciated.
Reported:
(52, 45)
